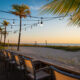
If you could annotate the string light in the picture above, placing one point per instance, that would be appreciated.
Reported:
(41, 24)
(38, 21)
(11, 26)
(35, 24)
(13, 21)
(25, 29)
(15, 32)
(32, 18)
(31, 26)
(24, 24)
(45, 18)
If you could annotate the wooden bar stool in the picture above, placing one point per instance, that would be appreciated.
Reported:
(34, 74)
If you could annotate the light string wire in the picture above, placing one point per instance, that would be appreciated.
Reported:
(34, 18)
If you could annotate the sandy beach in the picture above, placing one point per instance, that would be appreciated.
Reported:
(68, 58)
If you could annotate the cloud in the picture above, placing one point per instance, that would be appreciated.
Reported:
(34, 7)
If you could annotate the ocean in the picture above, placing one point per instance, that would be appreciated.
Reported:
(54, 44)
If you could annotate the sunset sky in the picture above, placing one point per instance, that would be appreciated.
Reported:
(54, 31)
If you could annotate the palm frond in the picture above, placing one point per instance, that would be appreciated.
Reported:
(5, 23)
(21, 10)
(63, 7)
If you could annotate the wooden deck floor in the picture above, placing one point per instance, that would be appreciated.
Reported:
(16, 75)
(12, 75)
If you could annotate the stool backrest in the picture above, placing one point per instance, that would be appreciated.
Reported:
(17, 59)
(29, 65)
(5, 53)
(9, 56)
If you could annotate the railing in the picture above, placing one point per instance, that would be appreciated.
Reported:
(64, 75)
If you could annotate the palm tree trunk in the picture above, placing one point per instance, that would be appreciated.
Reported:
(5, 36)
(1, 37)
(19, 34)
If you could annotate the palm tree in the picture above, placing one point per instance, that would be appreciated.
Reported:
(22, 11)
(5, 24)
(1, 34)
(64, 7)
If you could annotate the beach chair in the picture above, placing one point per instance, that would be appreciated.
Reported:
(19, 62)
(32, 73)
(63, 75)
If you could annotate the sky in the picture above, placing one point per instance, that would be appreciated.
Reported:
(54, 31)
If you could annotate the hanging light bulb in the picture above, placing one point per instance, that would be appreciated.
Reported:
(13, 21)
(35, 24)
(41, 24)
(25, 29)
(24, 24)
(11, 26)
(38, 21)
(31, 26)
(15, 32)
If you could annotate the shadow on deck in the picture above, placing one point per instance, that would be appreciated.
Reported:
(16, 75)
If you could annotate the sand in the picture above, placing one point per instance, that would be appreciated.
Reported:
(72, 59)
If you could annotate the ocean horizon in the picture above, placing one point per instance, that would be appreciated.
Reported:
(55, 44)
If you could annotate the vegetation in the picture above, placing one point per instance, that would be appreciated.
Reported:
(66, 48)
(64, 7)
(1, 47)
(5, 24)
(22, 11)
(0, 34)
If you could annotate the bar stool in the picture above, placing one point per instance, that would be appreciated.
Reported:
(19, 62)
(11, 60)
(34, 74)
